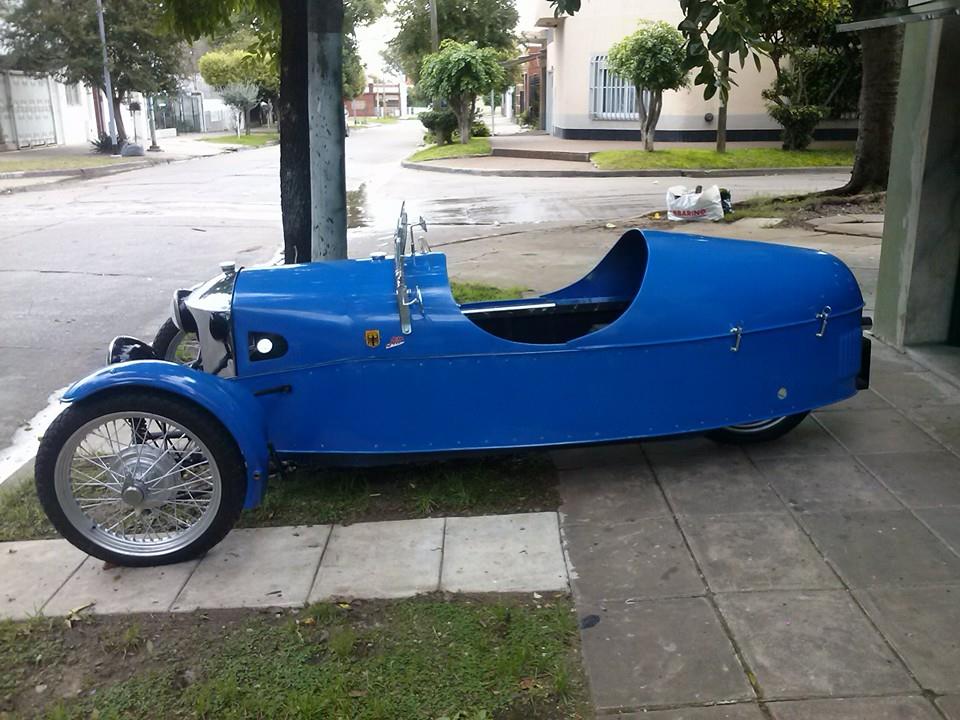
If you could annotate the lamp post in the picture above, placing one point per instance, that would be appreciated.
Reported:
(108, 86)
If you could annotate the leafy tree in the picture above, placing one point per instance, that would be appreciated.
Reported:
(241, 97)
(458, 73)
(240, 69)
(61, 38)
(489, 23)
(651, 58)
(280, 26)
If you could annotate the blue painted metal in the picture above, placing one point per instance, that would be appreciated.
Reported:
(665, 366)
(229, 401)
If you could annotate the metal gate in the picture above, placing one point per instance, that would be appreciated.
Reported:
(26, 111)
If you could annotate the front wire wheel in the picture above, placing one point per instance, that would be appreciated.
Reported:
(140, 478)
(759, 431)
(173, 344)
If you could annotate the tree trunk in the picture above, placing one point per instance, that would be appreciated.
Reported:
(121, 132)
(465, 120)
(878, 100)
(246, 121)
(294, 132)
(724, 102)
(649, 125)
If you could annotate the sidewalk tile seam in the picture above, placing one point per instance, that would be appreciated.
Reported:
(443, 555)
(738, 653)
(316, 571)
(183, 585)
(846, 587)
(60, 587)
(615, 711)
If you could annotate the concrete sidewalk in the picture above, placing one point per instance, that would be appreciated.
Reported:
(815, 577)
(292, 566)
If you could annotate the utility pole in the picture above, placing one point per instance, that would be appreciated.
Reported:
(108, 86)
(434, 31)
(328, 187)
(152, 121)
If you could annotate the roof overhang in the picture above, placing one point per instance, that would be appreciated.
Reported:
(915, 12)
(550, 21)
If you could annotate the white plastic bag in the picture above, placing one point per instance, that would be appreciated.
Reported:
(684, 204)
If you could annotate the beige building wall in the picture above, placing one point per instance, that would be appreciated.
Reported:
(572, 41)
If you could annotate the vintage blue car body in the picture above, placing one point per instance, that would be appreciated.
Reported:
(669, 334)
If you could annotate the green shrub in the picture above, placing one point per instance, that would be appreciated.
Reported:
(440, 124)
(798, 121)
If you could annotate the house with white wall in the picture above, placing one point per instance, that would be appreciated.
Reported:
(584, 100)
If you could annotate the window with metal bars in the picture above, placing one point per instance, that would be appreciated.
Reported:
(611, 97)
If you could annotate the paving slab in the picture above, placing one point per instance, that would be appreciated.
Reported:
(32, 571)
(115, 590)
(882, 548)
(642, 559)
(808, 438)
(811, 644)
(876, 431)
(945, 523)
(263, 567)
(659, 652)
(919, 480)
(923, 624)
(825, 484)
(867, 229)
(725, 482)
(756, 552)
(735, 711)
(914, 389)
(878, 708)
(950, 705)
(863, 400)
(684, 446)
(381, 560)
(503, 553)
(599, 456)
(941, 421)
(609, 495)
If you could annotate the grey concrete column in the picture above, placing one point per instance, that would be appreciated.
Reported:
(921, 240)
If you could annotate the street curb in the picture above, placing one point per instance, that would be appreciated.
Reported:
(105, 170)
(660, 172)
(90, 172)
(17, 478)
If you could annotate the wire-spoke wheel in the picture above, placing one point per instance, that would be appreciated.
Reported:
(759, 431)
(140, 478)
(173, 344)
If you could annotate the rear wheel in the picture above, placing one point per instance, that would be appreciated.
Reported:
(140, 478)
(760, 431)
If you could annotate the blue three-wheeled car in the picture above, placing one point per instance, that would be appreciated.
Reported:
(373, 361)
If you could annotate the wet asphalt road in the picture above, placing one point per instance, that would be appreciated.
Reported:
(81, 262)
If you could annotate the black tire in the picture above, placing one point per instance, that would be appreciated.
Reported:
(165, 343)
(746, 434)
(221, 445)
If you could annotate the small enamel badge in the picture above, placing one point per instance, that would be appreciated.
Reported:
(372, 338)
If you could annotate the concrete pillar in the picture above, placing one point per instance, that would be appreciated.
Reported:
(917, 287)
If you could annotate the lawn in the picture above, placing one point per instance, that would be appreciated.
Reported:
(476, 146)
(23, 161)
(691, 159)
(258, 139)
(469, 292)
(428, 657)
